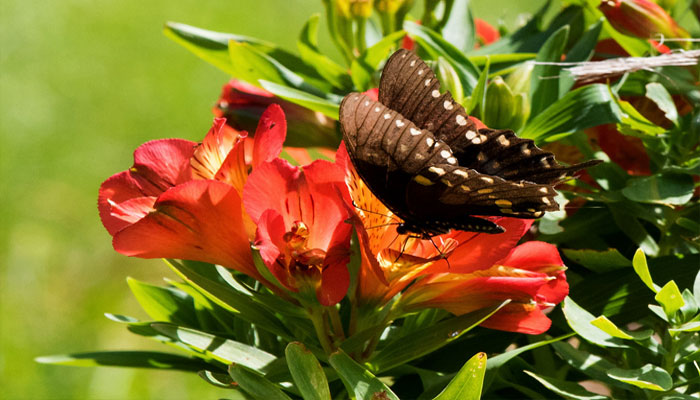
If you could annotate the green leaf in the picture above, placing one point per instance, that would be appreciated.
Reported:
(327, 68)
(358, 380)
(690, 308)
(598, 261)
(478, 96)
(217, 379)
(251, 65)
(310, 101)
(568, 390)
(639, 263)
(436, 46)
(544, 84)
(212, 47)
(130, 359)
(628, 223)
(468, 382)
(670, 299)
(427, 340)
(365, 66)
(667, 188)
(580, 321)
(648, 377)
(449, 79)
(689, 327)
(240, 305)
(164, 304)
(224, 350)
(607, 326)
(526, 39)
(579, 109)
(458, 28)
(307, 372)
(633, 123)
(255, 384)
(657, 93)
(589, 364)
(582, 51)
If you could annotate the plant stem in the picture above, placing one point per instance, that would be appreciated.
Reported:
(318, 318)
(336, 323)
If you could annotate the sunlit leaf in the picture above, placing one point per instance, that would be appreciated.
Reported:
(164, 304)
(580, 321)
(639, 262)
(468, 382)
(358, 380)
(327, 107)
(256, 385)
(598, 261)
(130, 359)
(670, 298)
(675, 189)
(327, 68)
(607, 326)
(648, 377)
(544, 84)
(568, 390)
(307, 372)
(657, 93)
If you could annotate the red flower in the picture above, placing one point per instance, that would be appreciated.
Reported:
(485, 33)
(391, 262)
(531, 276)
(641, 18)
(182, 200)
(242, 104)
(626, 151)
(302, 235)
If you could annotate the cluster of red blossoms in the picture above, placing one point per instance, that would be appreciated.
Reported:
(220, 200)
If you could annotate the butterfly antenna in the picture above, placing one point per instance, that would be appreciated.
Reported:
(372, 212)
(403, 247)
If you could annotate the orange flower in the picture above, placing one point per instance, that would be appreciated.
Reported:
(641, 18)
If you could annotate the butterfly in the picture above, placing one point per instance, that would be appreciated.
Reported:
(420, 155)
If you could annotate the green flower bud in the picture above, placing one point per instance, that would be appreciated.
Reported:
(449, 79)
(499, 105)
(361, 8)
(522, 111)
(519, 79)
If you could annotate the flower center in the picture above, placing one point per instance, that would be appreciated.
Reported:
(303, 258)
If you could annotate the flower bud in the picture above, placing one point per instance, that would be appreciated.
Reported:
(641, 18)
(519, 80)
(242, 105)
(499, 105)
(522, 111)
(390, 6)
(361, 8)
(450, 80)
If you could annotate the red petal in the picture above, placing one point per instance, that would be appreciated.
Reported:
(115, 190)
(335, 278)
(481, 250)
(273, 185)
(519, 318)
(534, 256)
(269, 239)
(162, 164)
(198, 220)
(487, 34)
(271, 132)
(373, 94)
(211, 153)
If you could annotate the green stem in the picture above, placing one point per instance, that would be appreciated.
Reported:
(336, 323)
(317, 317)
(360, 36)
(333, 30)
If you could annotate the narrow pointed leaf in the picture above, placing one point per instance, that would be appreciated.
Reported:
(217, 379)
(327, 68)
(164, 304)
(358, 380)
(568, 390)
(478, 96)
(657, 93)
(130, 359)
(648, 377)
(607, 326)
(589, 364)
(364, 67)
(436, 46)
(639, 262)
(308, 100)
(598, 261)
(427, 340)
(256, 385)
(673, 189)
(242, 306)
(459, 27)
(468, 382)
(580, 321)
(579, 109)
(307, 373)
(544, 84)
(225, 350)
(582, 51)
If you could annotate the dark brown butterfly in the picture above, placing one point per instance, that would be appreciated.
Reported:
(421, 155)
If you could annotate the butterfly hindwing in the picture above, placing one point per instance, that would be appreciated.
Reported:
(448, 191)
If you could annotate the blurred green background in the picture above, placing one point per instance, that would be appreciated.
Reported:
(82, 84)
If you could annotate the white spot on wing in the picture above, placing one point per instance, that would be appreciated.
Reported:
(445, 153)
(448, 105)
(387, 116)
(429, 141)
(427, 82)
(461, 121)
(470, 135)
(377, 109)
(413, 63)
(415, 132)
(399, 123)
(437, 170)
(435, 93)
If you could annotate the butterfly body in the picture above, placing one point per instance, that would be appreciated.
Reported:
(420, 154)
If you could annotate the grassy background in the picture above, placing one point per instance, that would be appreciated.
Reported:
(82, 84)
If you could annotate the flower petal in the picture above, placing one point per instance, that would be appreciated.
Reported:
(275, 185)
(211, 153)
(198, 220)
(162, 164)
(270, 134)
(481, 250)
(523, 318)
(269, 239)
